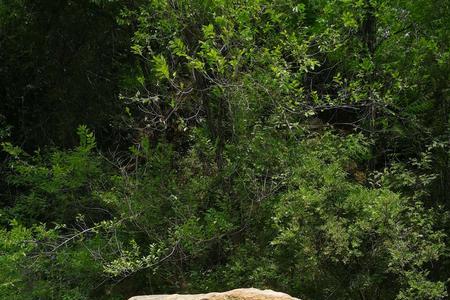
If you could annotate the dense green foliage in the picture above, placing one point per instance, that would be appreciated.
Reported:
(158, 146)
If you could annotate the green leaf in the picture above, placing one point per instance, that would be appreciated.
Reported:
(161, 67)
(178, 47)
(208, 31)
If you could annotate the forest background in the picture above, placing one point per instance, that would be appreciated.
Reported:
(159, 146)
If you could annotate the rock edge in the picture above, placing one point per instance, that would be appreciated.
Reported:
(237, 294)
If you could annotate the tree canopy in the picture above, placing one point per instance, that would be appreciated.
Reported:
(158, 146)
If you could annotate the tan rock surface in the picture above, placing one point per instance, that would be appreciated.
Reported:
(238, 294)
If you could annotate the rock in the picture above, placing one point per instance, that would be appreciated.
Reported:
(238, 294)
